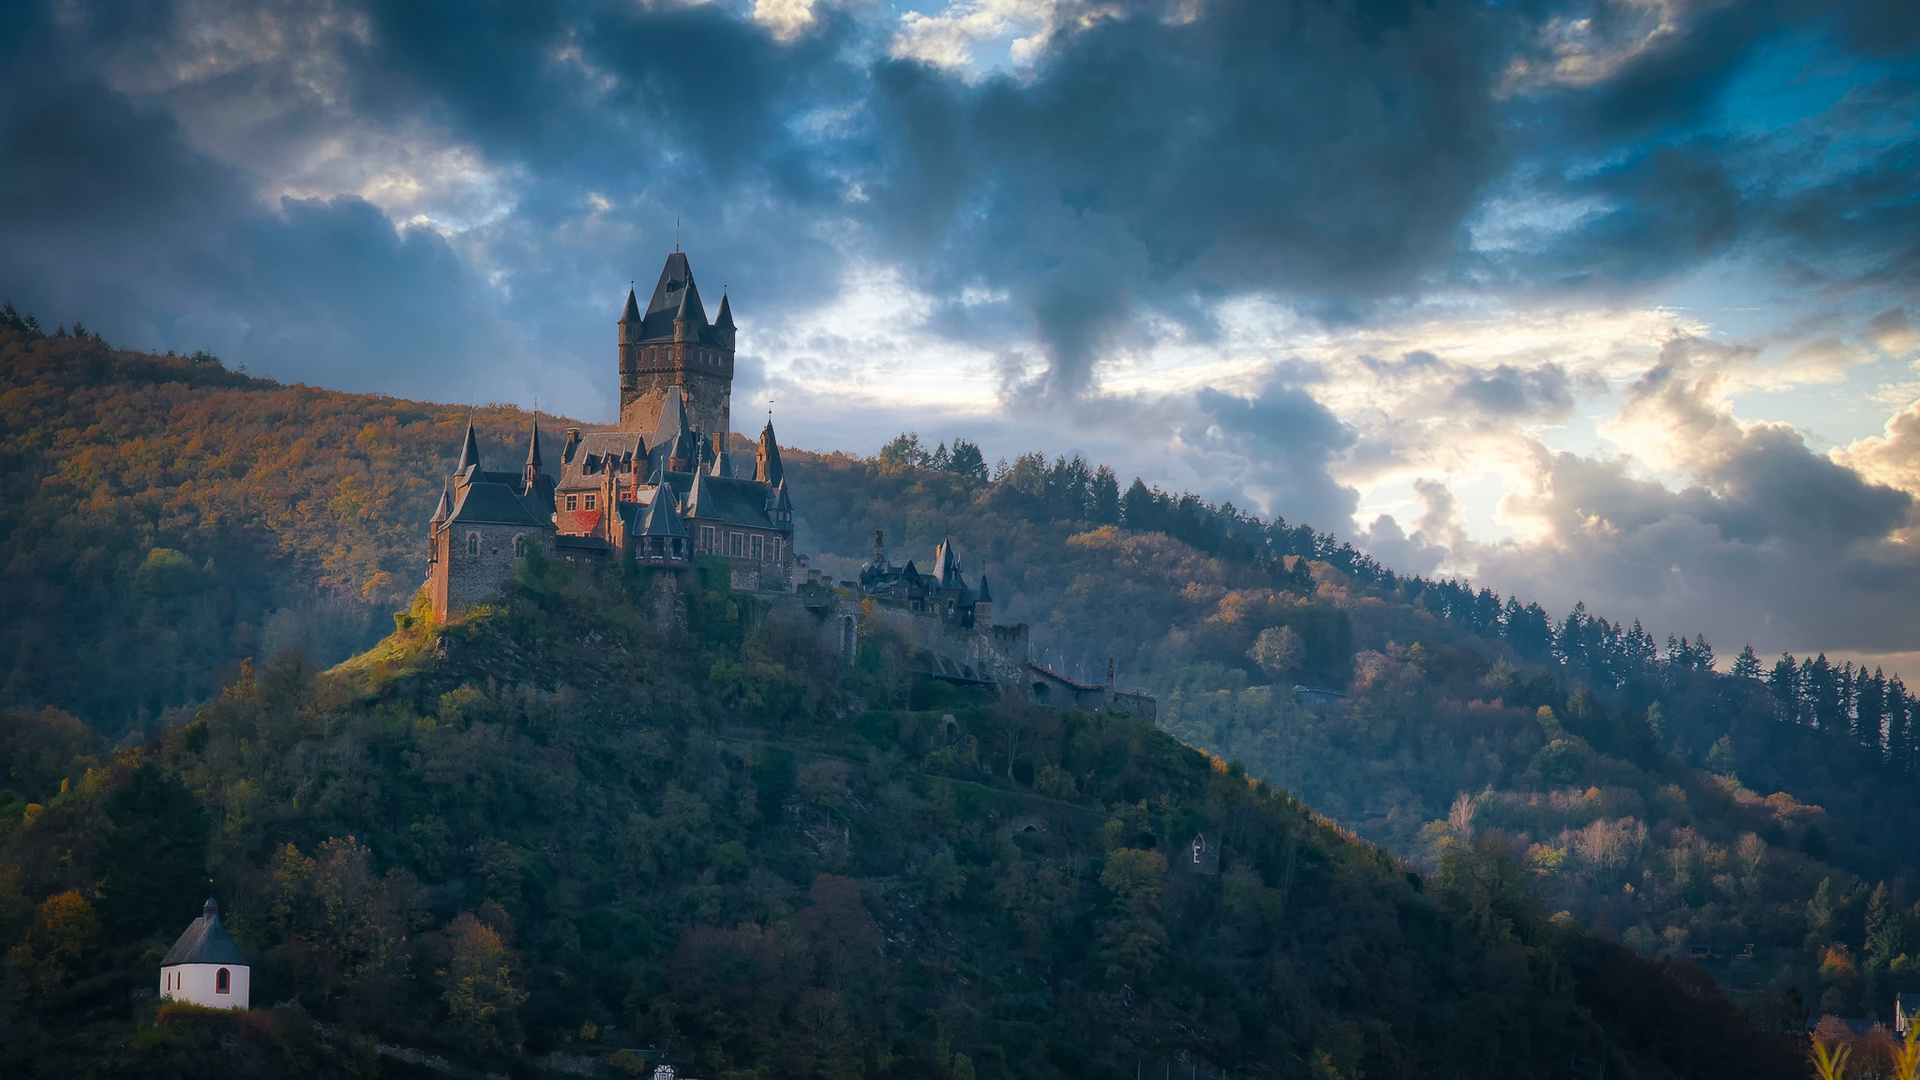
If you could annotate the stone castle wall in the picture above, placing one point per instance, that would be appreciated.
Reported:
(708, 386)
(462, 580)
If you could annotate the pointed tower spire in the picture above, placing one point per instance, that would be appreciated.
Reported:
(443, 511)
(767, 468)
(534, 464)
(632, 313)
(725, 318)
(469, 450)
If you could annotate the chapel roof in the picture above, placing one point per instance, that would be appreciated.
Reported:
(205, 942)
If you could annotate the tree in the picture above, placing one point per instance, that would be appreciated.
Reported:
(1746, 665)
(904, 451)
(1138, 508)
(63, 936)
(967, 461)
(1278, 650)
(1106, 497)
(152, 867)
(478, 984)
(1133, 939)
(1721, 759)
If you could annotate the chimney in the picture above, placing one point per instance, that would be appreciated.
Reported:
(573, 440)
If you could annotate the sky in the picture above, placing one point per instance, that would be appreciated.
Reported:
(1602, 300)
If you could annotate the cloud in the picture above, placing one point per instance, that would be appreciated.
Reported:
(1768, 542)
(1309, 255)
(1281, 445)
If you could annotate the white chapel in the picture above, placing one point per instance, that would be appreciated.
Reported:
(205, 967)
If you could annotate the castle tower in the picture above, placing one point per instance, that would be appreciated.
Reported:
(671, 344)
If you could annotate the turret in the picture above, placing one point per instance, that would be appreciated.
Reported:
(686, 326)
(533, 457)
(780, 508)
(766, 458)
(879, 549)
(983, 606)
(723, 324)
(469, 451)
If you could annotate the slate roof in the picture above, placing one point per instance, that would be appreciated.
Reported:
(595, 452)
(469, 451)
(205, 942)
(656, 517)
(675, 297)
(730, 500)
(492, 503)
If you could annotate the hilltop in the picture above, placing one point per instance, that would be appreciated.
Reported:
(548, 829)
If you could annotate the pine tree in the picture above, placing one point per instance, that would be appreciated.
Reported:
(1746, 665)
(1702, 653)
(1106, 497)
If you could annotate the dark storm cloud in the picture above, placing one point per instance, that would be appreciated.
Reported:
(1319, 149)
(1328, 152)
(1283, 445)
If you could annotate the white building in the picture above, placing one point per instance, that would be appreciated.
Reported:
(205, 966)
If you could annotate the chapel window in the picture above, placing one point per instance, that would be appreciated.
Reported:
(520, 547)
(223, 982)
(473, 543)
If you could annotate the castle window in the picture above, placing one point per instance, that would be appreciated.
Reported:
(589, 502)
(773, 550)
(706, 538)
(676, 547)
(223, 982)
(733, 544)
(520, 547)
(754, 547)
(573, 502)
(473, 543)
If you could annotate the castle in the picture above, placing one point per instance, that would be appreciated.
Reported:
(665, 487)
(661, 488)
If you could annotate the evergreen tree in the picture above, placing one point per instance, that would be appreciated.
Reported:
(1746, 665)
(1138, 508)
(1899, 721)
(1702, 653)
(153, 864)
(967, 460)
(1870, 708)
(1106, 497)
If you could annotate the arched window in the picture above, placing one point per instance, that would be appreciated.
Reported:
(473, 544)
(222, 982)
(520, 547)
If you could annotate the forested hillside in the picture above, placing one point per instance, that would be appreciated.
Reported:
(165, 518)
(549, 836)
